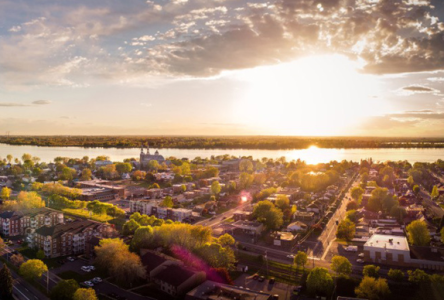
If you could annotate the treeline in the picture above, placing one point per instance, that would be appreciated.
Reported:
(244, 142)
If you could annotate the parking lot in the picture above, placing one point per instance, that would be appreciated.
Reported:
(283, 290)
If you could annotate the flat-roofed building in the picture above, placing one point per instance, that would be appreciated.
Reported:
(387, 249)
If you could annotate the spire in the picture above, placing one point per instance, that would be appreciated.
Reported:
(147, 148)
(141, 148)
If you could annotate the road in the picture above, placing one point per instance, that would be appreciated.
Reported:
(328, 235)
(22, 289)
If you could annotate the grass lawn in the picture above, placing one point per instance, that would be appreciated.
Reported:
(85, 214)
(51, 263)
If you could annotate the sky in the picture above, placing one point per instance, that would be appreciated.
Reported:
(222, 67)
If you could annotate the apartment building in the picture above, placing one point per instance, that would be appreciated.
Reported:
(152, 208)
(67, 239)
(14, 223)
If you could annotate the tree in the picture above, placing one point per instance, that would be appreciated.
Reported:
(123, 168)
(341, 265)
(371, 271)
(153, 165)
(33, 269)
(282, 202)
(266, 213)
(396, 275)
(2, 245)
(245, 180)
(418, 276)
(40, 254)
(86, 174)
(130, 227)
(319, 282)
(9, 157)
(435, 193)
(246, 165)
(442, 234)
(64, 290)
(372, 289)
(6, 283)
(85, 294)
(300, 259)
(356, 193)
(352, 205)
(346, 230)
(418, 234)
(226, 240)
(215, 188)
(167, 202)
(29, 200)
(17, 259)
(5, 193)
(416, 189)
(142, 238)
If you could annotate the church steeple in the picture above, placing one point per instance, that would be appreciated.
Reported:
(147, 148)
(141, 148)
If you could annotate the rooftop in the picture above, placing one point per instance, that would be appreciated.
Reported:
(389, 242)
(210, 290)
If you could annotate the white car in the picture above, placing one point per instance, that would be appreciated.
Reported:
(92, 268)
(361, 261)
(361, 255)
(70, 259)
(89, 283)
(290, 256)
(85, 269)
(96, 280)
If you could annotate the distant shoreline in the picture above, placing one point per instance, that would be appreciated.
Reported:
(225, 143)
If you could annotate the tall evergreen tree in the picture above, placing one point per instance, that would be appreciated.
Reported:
(6, 283)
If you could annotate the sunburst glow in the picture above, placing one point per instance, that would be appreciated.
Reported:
(321, 95)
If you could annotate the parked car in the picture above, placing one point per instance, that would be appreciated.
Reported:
(361, 255)
(351, 248)
(271, 281)
(96, 280)
(85, 269)
(361, 261)
(290, 256)
(92, 268)
(70, 258)
(89, 283)
(261, 279)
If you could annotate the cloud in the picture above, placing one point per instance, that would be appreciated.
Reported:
(41, 102)
(419, 89)
(12, 104)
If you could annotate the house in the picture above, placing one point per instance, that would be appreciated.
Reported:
(284, 240)
(152, 208)
(304, 215)
(239, 215)
(387, 249)
(210, 290)
(249, 227)
(297, 226)
(414, 210)
(313, 207)
(176, 280)
(103, 163)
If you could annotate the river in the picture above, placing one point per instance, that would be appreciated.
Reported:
(312, 155)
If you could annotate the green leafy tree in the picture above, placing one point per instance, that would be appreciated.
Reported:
(300, 259)
(153, 165)
(33, 269)
(64, 290)
(346, 230)
(40, 254)
(85, 294)
(373, 289)
(319, 282)
(371, 271)
(418, 234)
(6, 283)
(266, 213)
(246, 165)
(86, 174)
(416, 189)
(143, 237)
(396, 275)
(245, 180)
(130, 227)
(167, 202)
(226, 240)
(123, 168)
(215, 188)
(442, 234)
(418, 276)
(356, 193)
(341, 265)
(435, 193)
(282, 202)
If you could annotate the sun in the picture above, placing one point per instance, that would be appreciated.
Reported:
(319, 95)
